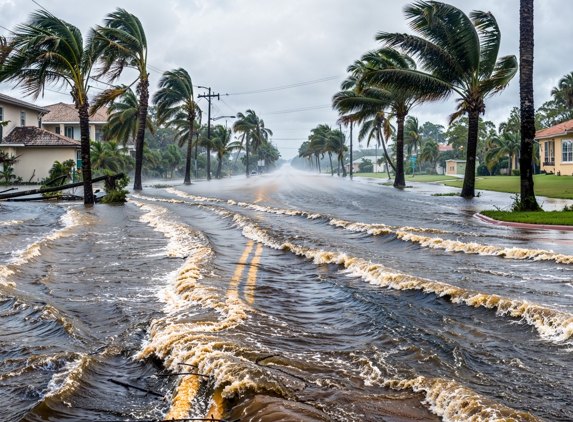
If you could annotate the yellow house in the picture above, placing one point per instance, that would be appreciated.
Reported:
(37, 150)
(556, 148)
(19, 113)
(63, 119)
(456, 167)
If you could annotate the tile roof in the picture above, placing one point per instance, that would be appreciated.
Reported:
(16, 101)
(444, 147)
(559, 129)
(67, 113)
(32, 136)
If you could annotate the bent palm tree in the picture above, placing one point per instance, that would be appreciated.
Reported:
(253, 132)
(458, 55)
(175, 95)
(222, 145)
(507, 144)
(49, 51)
(430, 153)
(122, 43)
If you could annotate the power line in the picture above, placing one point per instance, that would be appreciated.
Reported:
(296, 110)
(296, 85)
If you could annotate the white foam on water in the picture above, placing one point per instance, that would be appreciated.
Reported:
(453, 402)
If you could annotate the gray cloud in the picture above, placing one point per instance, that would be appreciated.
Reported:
(242, 45)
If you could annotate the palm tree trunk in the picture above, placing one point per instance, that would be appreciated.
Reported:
(509, 165)
(218, 175)
(526, 51)
(343, 166)
(400, 181)
(381, 140)
(331, 168)
(468, 189)
(187, 180)
(338, 167)
(143, 104)
(247, 149)
(85, 152)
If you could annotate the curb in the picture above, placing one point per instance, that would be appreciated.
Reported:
(522, 225)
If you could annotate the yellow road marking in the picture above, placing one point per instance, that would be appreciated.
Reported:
(252, 278)
(239, 271)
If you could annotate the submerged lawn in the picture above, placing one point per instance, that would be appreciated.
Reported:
(545, 185)
(553, 218)
(416, 178)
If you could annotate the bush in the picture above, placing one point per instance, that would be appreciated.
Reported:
(515, 172)
(482, 170)
(118, 193)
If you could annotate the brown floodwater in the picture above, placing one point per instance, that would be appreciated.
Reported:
(287, 296)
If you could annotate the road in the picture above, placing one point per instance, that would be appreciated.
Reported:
(296, 296)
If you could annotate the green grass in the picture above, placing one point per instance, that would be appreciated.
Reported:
(561, 218)
(417, 178)
(550, 186)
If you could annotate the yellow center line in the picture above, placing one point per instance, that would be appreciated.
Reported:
(239, 270)
(252, 278)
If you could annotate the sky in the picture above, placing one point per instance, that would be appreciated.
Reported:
(240, 46)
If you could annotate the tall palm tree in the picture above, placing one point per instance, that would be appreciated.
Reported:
(337, 143)
(49, 51)
(123, 121)
(457, 55)
(507, 144)
(430, 153)
(109, 156)
(304, 151)
(400, 100)
(175, 95)
(412, 135)
(319, 138)
(222, 145)
(121, 43)
(253, 132)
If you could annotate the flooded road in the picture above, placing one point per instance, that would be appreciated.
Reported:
(296, 297)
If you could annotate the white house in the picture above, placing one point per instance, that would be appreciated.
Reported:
(63, 119)
(377, 168)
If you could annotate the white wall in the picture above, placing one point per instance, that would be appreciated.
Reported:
(11, 112)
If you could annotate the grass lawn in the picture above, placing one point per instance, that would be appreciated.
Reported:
(554, 217)
(416, 178)
(545, 185)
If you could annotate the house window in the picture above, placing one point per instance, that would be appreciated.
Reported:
(40, 122)
(567, 151)
(69, 132)
(546, 149)
(98, 134)
(22, 118)
(58, 130)
(1, 120)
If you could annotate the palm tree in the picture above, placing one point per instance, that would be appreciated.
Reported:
(507, 144)
(430, 153)
(252, 130)
(526, 51)
(458, 55)
(123, 121)
(49, 51)
(304, 151)
(172, 158)
(563, 92)
(222, 145)
(399, 100)
(319, 142)
(412, 135)
(122, 43)
(175, 95)
(337, 144)
(109, 156)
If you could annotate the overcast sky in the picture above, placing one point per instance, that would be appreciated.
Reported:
(236, 46)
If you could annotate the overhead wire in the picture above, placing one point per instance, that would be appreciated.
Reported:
(295, 85)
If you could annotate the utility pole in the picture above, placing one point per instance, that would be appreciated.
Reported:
(208, 96)
(196, 163)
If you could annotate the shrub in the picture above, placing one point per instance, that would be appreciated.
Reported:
(482, 170)
(118, 193)
(515, 172)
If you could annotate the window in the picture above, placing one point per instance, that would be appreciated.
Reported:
(98, 136)
(546, 151)
(58, 130)
(40, 122)
(1, 120)
(22, 118)
(567, 151)
(69, 132)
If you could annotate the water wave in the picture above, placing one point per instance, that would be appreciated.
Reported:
(10, 222)
(68, 221)
(175, 339)
(407, 234)
(455, 403)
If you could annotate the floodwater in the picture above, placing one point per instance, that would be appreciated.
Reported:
(296, 297)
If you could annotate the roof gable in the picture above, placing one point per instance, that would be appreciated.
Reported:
(32, 136)
(18, 102)
(67, 113)
(560, 129)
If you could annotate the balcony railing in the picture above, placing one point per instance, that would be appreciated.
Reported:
(549, 163)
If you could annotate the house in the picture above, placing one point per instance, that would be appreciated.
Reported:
(377, 168)
(454, 167)
(37, 150)
(19, 113)
(556, 148)
(63, 119)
